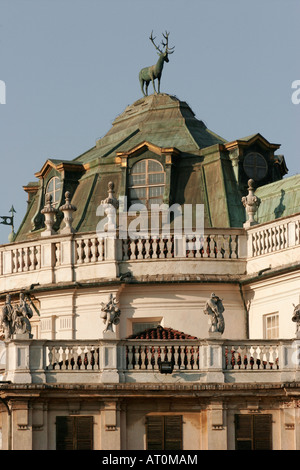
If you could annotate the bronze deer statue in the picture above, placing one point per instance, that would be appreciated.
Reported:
(149, 74)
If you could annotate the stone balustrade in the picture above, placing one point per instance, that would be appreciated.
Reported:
(274, 236)
(76, 257)
(121, 361)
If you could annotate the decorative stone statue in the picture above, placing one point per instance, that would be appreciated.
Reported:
(296, 319)
(22, 313)
(15, 318)
(251, 203)
(7, 318)
(214, 308)
(110, 313)
(110, 204)
(149, 74)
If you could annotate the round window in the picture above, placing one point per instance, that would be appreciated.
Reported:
(255, 166)
(54, 189)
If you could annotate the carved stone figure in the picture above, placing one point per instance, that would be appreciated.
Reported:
(149, 74)
(7, 318)
(15, 318)
(110, 204)
(22, 313)
(296, 319)
(214, 308)
(110, 313)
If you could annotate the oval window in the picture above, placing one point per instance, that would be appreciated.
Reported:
(255, 166)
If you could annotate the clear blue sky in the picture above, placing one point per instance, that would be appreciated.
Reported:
(70, 67)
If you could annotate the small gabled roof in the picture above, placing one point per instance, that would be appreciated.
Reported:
(160, 332)
(250, 139)
(59, 165)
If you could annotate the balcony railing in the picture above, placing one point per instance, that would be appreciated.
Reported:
(121, 361)
(76, 257)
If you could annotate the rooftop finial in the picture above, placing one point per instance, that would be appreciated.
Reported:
(251, 203)
(149, 74)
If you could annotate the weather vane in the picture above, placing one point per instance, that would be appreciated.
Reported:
(9, 220)
(149, 74)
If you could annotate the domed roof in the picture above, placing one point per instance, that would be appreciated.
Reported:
(161, 119)
(200, 167)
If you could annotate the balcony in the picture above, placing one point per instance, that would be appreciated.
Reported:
(139, 361)
(82, 257)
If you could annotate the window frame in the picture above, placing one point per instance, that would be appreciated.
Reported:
(267, 329)
(74, 432)
(258, 436)
(55, 193)
(147, 185)
(251, 170)
(164, 432)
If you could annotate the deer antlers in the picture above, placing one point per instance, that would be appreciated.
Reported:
(165, 44)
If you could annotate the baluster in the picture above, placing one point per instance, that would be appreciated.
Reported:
(233, 246)
(77, 358)
(101, 248)
(50, 357)
(63, 358)
(176, 357)
(137, 357)
(87, 255)
(153, 358)
(93, 250)
(96, 359)
(133, 250)
(129, 350)
(38, 257)
(226, 246)
(18, 260)
(154, 248)
(169, 247)
(143, 357)
(25, 259)
(254, 357)
(188, 355)
(271, 357)
(232, 358)
(125, 249)
(147, 248)
(161, 248)
(140, 247)
(89, 356)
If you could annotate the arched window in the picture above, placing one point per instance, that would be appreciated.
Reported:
(146, 183)
(54, 188)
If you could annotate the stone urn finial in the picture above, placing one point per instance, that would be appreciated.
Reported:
(251, 204)
(110, 204)
(68, 210)
(49, 212)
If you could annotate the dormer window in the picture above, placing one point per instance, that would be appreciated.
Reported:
(147, 183)
(255, 166)
(54, 189)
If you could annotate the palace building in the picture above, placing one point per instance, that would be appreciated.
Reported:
(132, 339)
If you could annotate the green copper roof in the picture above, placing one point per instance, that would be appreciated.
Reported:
(161, 119)
(279, 199)
(204, 169)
